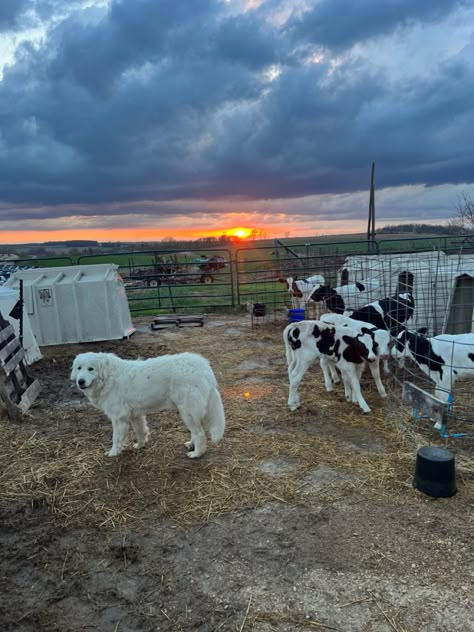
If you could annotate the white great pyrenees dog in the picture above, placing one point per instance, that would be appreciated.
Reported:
(126, 390)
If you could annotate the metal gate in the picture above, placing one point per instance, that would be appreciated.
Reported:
(174, 281)
(259, 270)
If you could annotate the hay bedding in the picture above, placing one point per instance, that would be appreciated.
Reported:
(56, 456)
(155, 541)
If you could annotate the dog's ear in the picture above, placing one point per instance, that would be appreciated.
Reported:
(102, 363)
(72, 377)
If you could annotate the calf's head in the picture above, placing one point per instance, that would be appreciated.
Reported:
(292, 286)
(382, 340)
(359, 348)
(321, 292)
(400, 349)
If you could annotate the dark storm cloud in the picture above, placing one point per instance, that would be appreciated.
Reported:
(342, 23)
(166, 100)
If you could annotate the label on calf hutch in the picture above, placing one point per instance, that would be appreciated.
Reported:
(426, 405)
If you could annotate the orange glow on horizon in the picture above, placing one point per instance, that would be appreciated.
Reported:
(122, 234)
(104, 235)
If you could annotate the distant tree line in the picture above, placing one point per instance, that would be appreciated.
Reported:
(73, 243)
(433, 229)
(171, 242)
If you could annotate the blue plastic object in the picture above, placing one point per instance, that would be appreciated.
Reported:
(295, 315)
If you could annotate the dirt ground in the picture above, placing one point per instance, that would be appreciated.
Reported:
(295, 521)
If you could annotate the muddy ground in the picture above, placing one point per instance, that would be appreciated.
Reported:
(295, 521)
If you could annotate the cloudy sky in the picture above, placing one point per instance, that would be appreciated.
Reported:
(140, 119)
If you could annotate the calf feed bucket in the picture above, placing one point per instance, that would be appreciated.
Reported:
(435, 473)
(295, 315)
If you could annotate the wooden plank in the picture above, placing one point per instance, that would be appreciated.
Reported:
(6, 333)
(190, 323)
(9, 366)
(426, 405)
(29, 396)
(166, 317)
(165, 321)
(178, 317)
(9, 349)
(191, 317)
(157, 326)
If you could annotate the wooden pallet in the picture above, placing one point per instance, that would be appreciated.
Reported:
(178, 320)
(18, 389)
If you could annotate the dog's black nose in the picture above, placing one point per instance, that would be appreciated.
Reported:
(81, 382)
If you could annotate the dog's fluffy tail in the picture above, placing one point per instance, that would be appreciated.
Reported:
(215, 416)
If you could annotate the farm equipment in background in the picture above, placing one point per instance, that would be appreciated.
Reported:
(163, 270)
(168, 270)
(207, 266)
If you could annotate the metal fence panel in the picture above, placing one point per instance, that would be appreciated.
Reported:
(172, 281)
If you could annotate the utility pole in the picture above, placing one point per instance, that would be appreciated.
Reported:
(371, 222)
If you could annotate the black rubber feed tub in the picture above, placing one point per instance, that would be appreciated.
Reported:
(259, 309)
(435, 472)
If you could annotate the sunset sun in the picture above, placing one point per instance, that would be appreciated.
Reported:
(241, 233)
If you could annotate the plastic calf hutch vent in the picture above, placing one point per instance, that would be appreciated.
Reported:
(75, 304)
(18, 389)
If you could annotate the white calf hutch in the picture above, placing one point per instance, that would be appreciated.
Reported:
(75, 304)
(442, 286)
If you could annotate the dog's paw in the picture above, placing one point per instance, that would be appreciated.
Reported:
(112, 452)
(194, 454)
(139, 445)
(189, 445)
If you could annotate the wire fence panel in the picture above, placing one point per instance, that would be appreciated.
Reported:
(433, 352)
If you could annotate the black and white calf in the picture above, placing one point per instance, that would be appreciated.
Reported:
(309, 340)
(300, 289)
(345, 297)
(331, 298)
(444, 358)
(380, 345)
(387, 313)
